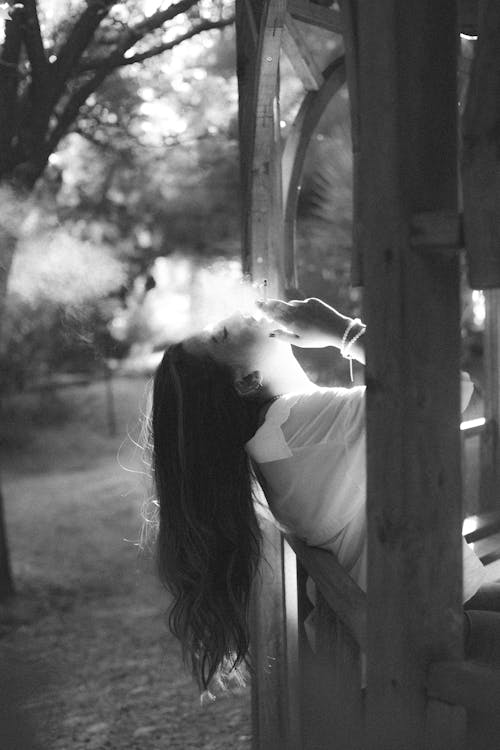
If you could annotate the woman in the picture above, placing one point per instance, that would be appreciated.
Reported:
(233, 401)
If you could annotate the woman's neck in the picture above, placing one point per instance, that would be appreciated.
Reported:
(283, 374)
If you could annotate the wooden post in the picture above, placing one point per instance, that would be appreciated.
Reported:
(481, 153)
(276, 719)
(407, 84)
(259, 26)
(489, 483)
(260, 143)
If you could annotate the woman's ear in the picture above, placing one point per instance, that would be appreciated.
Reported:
(249, 385)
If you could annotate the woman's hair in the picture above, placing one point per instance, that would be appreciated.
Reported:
(208, 542)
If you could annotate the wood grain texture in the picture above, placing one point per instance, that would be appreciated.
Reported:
(338, 719)
(268, 648)
(481, 153)
(263, 206)
(407, 86)
(246, 51)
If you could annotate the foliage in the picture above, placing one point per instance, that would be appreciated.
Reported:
(55, 58)
(150, 168)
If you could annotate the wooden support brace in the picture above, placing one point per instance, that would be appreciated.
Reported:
(316, 15)
(297, 51)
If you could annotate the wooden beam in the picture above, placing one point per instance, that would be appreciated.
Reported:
(481, 153)
(481, 526)
(297, 51)
(260, 140)
(316, 15)
(407, 89)
(246, 52)
(344, 597)
(270, 688)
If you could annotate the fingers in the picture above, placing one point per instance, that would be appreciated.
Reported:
(277, 309)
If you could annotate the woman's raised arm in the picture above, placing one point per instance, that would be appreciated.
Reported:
(311, 323)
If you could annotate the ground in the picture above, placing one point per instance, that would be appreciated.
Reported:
(87, 659)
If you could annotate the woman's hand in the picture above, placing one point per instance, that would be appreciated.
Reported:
(308, 323)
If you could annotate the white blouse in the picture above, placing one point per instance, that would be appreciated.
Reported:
(311, 455)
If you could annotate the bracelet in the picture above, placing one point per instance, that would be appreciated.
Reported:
(347, 331)
(347, 344)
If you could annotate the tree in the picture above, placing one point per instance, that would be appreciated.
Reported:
(47, 80)
(50, 71)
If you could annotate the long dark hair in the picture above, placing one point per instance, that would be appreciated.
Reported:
(208, 540)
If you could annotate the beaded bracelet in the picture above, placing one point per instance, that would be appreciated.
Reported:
(347, 344)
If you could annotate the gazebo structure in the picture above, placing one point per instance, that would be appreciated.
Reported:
(389, 671)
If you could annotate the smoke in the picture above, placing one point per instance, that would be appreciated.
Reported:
(186, 298)
(57, 268)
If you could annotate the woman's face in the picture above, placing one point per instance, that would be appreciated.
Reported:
(240, 340)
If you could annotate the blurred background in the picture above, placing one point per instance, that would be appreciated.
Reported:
(126, 237)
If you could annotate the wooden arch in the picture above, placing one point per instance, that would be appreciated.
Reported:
(271, 173)
(400, 66)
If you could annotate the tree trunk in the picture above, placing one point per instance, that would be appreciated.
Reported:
(6, 582)
(8, 241)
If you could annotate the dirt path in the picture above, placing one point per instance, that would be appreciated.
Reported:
(87, 661)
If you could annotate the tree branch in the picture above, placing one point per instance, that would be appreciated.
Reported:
(81, 36)
(77, 42)
(106, 146)
(114, 60)
(160, 17)
(32, 37)
(9, 78)
(140, 56)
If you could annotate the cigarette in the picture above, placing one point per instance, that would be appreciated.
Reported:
(265, 290)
